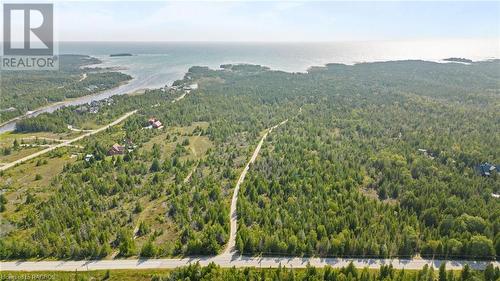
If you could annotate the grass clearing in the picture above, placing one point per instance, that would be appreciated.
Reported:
(198, 147)
(29, 143)
(154, 214)
(173, 136)
(20, 180)
(7, 139)
(19, 153)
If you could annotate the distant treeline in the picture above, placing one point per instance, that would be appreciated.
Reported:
(385, 273)
(29, 90)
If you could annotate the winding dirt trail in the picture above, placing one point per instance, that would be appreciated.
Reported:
(229, 258)
(65, 143)
(233, 217)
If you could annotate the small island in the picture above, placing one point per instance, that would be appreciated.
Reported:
(121, 55)
(463, 60)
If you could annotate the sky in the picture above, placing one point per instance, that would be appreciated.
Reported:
(275, 21)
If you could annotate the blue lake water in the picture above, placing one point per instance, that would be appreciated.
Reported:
(156, 64)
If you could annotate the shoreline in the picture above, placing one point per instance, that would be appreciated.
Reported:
(4, 127)
(28, 113)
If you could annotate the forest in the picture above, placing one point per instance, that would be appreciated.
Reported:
(379, 170)
(376, 160)
(24, 91)
(84, 204)
(212, 272)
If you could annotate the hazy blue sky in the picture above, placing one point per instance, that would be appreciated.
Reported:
(276, 21)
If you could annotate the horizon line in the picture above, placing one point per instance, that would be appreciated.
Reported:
(277, 41)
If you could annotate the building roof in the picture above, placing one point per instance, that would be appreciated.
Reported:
(486, 169)
(117, 146)
(157, 124)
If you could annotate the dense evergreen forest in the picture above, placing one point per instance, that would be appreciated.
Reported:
(347, 178)
(97, 204)
(376, 160)
(387, 273)
(23, 91)
(213, 272)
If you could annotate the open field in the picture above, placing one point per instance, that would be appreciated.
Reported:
(28, 143)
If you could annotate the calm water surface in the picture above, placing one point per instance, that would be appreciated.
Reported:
(156, 64)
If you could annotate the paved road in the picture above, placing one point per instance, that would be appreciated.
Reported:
(230, 247)
(65, 143)
(230, 261)
(229, 258)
